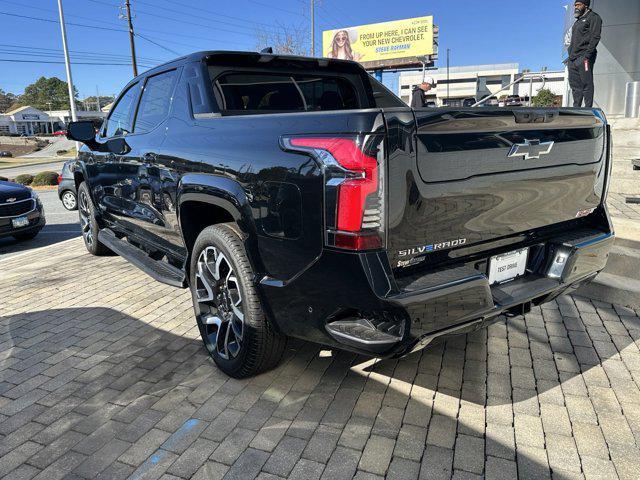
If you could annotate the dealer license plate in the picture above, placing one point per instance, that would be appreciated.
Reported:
(19, 222)
(508, 266)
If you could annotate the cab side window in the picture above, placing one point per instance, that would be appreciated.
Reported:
(120, 121)
(155, 101)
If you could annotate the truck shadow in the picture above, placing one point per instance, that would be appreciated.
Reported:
(86, 367)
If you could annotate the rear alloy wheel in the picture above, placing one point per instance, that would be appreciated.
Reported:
(234, 329)
(88, 222)
(69, 200)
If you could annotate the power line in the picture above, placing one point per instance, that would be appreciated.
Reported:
(53, 62)
(179, 12)
(157, 44)
(273, 7)
(78, 52)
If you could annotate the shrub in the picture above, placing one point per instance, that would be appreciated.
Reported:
(24, 179)
(45, 178)
(544, 98)
(62, 152)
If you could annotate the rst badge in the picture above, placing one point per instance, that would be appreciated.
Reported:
(434, 247)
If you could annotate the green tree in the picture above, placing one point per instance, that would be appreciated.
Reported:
(6, 100)
(47, 93)
(90, 102)
(544, 98)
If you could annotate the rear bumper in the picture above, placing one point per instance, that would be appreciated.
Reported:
(340, 288)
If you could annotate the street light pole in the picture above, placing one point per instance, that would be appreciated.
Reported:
(448, 80)
(313, 29)
(67, 62)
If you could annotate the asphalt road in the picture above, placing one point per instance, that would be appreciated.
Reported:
(61, 225)
(13, 172)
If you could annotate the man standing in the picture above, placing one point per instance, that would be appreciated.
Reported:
(585, 36)
(419, 91)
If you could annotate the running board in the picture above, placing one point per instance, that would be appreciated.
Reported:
(157, 269)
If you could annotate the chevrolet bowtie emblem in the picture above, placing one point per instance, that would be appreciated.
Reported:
(530, 149)
(11, 200)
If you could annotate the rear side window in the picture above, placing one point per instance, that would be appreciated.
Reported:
(265, 93)
(121, 117)
(155, 101)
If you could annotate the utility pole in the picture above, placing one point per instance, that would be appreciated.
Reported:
(134, 62)
(97, 98)
(67, 63)
(313, 29)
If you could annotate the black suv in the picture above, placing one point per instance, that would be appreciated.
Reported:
(299, 197)
(21, 212)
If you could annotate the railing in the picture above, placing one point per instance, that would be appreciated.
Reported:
(518, 80)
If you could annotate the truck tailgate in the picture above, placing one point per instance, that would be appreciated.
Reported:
(478, 175)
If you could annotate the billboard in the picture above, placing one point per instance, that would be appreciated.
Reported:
(378, 45)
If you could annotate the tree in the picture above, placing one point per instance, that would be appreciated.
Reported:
(285, 40)
(7, 99)
(47, 94)
(544, 98)
(90, 102)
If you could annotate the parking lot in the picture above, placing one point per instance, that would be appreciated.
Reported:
(103, 375)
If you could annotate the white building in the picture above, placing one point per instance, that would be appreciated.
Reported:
(33, 121)
(477, 82)
(554, 80)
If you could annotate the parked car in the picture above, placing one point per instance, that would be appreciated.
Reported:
(299, 197)
(67, 187)
(513, 101)
(469, 102)
(491, 102)
(21, 212)
(5, 153)
(60, 133)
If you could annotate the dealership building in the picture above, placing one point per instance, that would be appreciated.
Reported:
(33, 121)
(478, 81)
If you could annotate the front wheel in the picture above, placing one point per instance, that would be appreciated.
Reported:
(89, 223)
(234, 329)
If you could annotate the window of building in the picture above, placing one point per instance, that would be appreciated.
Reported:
(155, 101)
(120, 120)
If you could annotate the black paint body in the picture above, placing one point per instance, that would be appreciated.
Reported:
(447, 177)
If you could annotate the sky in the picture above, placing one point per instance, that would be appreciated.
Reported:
(476, 32)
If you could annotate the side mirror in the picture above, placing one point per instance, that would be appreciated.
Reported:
(81, 131)
(118, 146)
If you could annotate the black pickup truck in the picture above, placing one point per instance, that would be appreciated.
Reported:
(299, 197)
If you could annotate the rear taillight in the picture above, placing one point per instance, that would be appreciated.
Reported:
(353, 178)
(59, 178)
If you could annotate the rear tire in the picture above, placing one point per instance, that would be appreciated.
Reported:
(69, 200)
(234, 329)
(89, 222)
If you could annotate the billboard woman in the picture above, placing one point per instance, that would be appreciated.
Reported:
(341, 45)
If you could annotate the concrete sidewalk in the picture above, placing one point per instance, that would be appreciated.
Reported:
(103, 375)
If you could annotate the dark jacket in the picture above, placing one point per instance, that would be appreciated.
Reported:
(417, 98)
(585, 36)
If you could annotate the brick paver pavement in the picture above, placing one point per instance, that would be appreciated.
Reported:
(102, 375)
